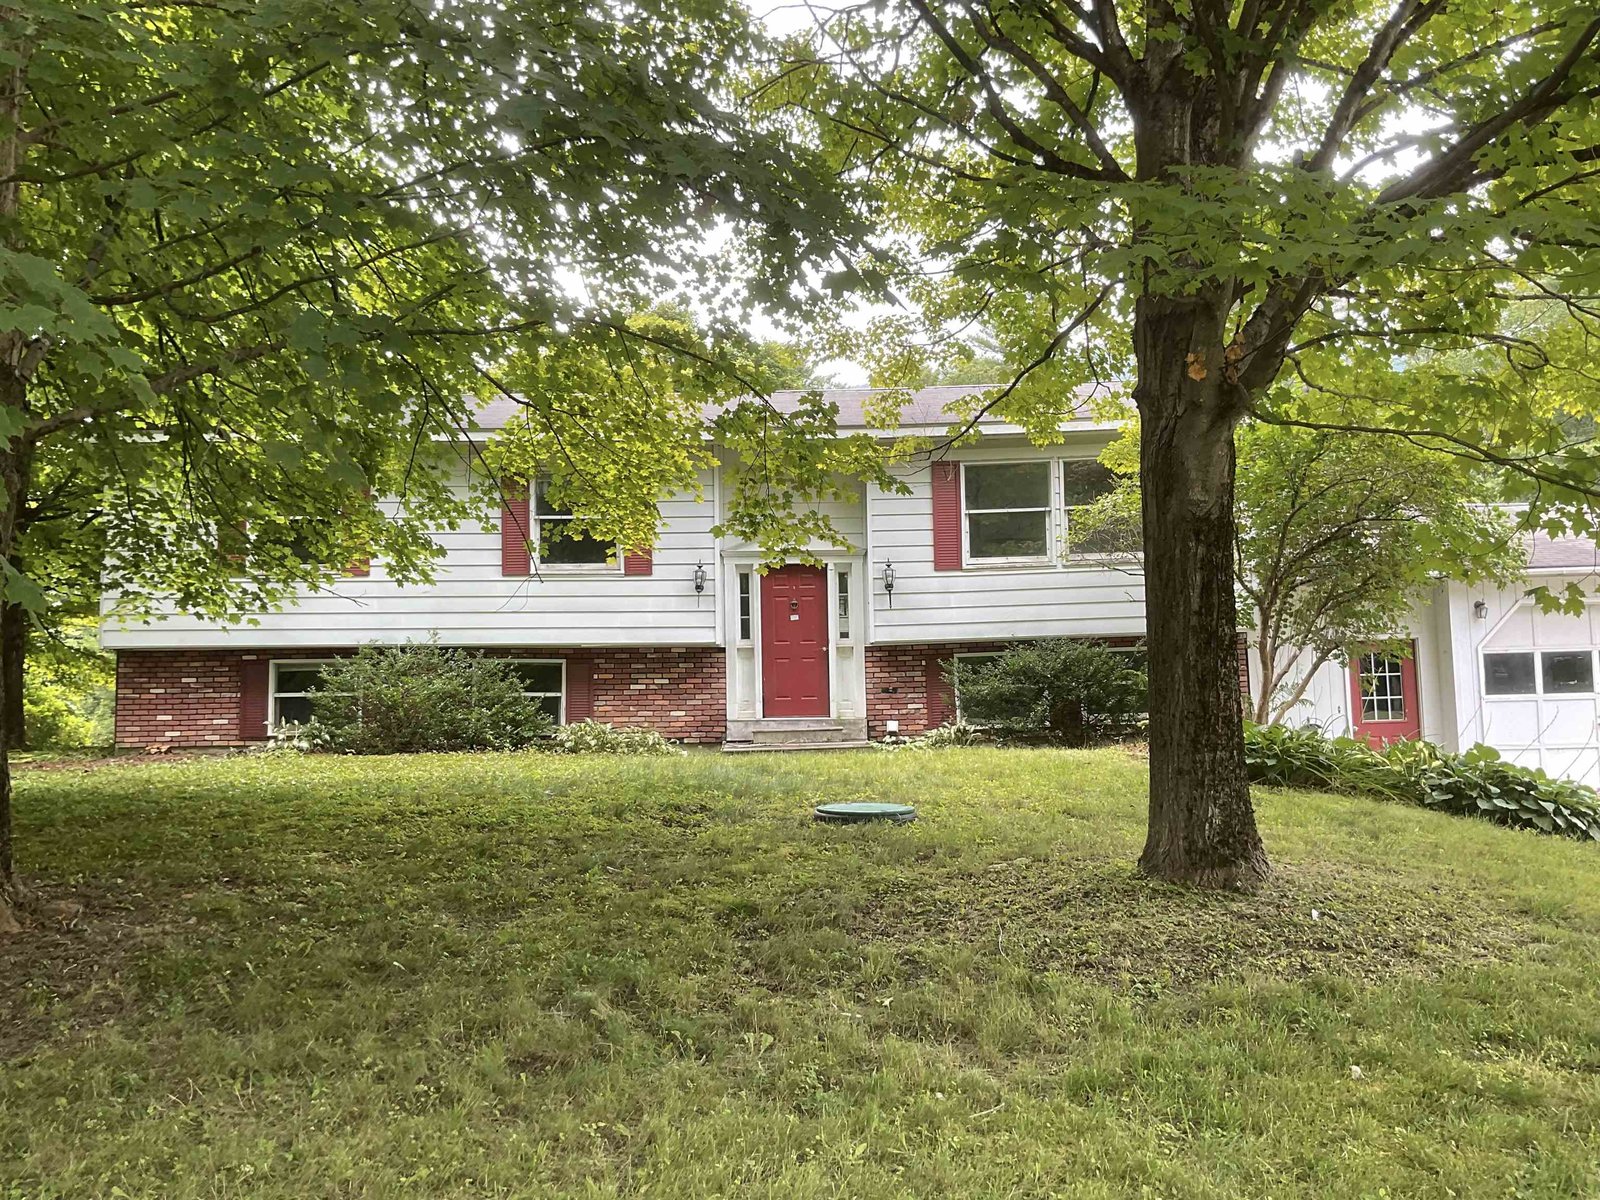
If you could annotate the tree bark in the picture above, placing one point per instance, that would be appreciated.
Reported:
(13, 661)
(16, 469)
(1202, 827)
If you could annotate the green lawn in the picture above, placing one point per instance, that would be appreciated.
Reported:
(537, 976)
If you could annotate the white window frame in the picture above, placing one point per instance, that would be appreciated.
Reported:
(561, 719)
(536, 520)
(1538, 692)
(843, 601)
(273, 694)
(744, 591)
(1050, 507)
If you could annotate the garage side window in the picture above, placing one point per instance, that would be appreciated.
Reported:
(1539, 673)
(1509, 674)
(1567, 671)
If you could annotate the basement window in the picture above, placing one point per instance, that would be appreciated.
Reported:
(292, 683)
(544, 680)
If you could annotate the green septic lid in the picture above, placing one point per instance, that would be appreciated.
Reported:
(865, 811)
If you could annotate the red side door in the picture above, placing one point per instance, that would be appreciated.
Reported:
(1383, 697)
(794, 642)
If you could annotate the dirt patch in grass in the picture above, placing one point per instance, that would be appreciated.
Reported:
(1105, 923)
(66, 971)
(99, 760)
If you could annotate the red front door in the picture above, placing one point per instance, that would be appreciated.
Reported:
(794, 642)
(1383, 697)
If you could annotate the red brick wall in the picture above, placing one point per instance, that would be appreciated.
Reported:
(898, 680)
(190, 698)
(682, 692)
(178, 697)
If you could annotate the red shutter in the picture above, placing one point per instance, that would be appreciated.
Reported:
(1242, 649)
(941, 704)
(946, 516)
(580, 688)
(515, 529)
(254, 674)
(637, 564)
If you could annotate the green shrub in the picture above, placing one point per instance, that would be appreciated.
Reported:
(1066, 689)
(946, 737)
(1478, 783)
(1481, 783)
(595, 737)
(1285, 757)
(55, 719)
(68, 697)
(418, 697)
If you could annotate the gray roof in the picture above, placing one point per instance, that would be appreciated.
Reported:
(929, 408)
(1546, 553)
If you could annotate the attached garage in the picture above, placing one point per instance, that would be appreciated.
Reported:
(1537, 673)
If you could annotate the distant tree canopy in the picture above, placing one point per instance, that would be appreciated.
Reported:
(1338, 537)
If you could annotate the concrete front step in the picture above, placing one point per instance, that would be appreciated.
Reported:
(789, 747)
(796, 732)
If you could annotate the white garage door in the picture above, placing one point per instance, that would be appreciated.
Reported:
(1540, 706)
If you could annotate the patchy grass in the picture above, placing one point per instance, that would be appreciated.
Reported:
(536, 976)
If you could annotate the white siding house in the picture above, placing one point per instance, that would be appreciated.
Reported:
(704, 641)
(700, 637)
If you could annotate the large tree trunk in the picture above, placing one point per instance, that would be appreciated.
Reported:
(16, 455)
(13, 662)
(16, 468)
(1202, 827)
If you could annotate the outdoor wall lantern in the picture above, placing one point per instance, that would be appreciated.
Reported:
(888, 579)
(1480, 609)
(699, 577)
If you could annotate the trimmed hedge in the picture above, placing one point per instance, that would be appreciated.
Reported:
(1478, 783)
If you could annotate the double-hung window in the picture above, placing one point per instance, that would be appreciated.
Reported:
(1083, 481)
(1007, 512)
(292, 683)
(544, 681)
(559, 542)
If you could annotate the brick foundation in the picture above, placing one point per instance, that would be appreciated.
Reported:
(178, 697)
(192, 698)
(683, 692)
(907, 684)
